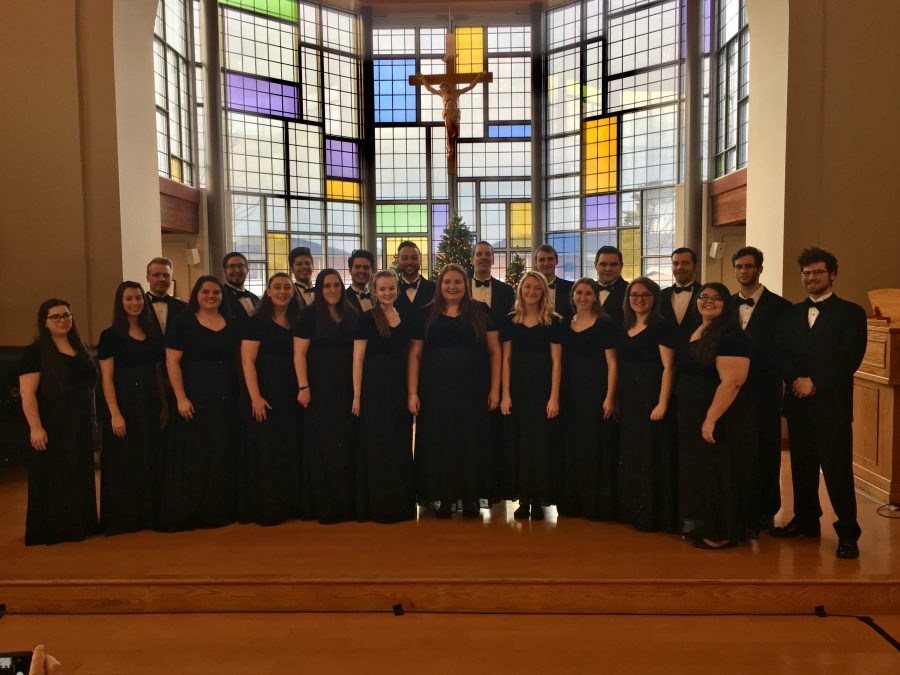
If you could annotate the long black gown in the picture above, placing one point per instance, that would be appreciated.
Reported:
(200, 474)
(330, 430)
(648, 478)
(129, 483)
(717, 481)
(537, 455)
(453, 453)
(269, 464)
(386, 487)
(62, 502)
(589, 441)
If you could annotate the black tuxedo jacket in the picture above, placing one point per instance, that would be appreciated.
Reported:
(614, 305)
(828, 353)
(763, 328)
(563, 291)
(231, 303)
(176, 307)
(691, 320)
(502, 299)
(423, 296)
(353, 299)
(305, 299)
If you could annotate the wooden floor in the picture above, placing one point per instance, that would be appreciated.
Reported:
(190, 644)
(492, 565)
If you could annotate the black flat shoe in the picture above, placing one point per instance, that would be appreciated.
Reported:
(522, 513)
(537, 513)
(795, 529)
(848, 550)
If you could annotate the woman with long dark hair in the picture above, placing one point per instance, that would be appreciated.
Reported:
(323, 362)
(200, 477)
(589, 381)
(269, 478)
(648, 478)
(531, 370)
(717, 427)
(131, 355)
(56, 382)
(387, 482)
(453, 381)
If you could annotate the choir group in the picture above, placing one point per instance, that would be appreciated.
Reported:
(612, 400)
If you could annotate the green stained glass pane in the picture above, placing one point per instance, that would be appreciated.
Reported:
(280, 9)
(393, 218)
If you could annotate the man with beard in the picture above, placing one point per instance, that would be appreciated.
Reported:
(415, 290)
(237, 303)
(678, 302)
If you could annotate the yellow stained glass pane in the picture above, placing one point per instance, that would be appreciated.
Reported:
(601, 149)
(630, 245)
(175, 169)
(277, 250)
(391, 244)
(342, 189)
(520, 224)
(470, 50)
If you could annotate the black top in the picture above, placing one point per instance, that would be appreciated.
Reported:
(338, 336)
(448, 331)
(593, 341)
(78, 373)
(127, 351)
(732, 342)
(614, 306)
(200, 343)
(376, 343)
(762, 329)
(273, 339)
(643, 348)
(531, 339)
(563, 289)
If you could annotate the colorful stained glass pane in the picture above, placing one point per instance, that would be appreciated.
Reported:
(520, 224)
(440, 214)
(600, 212)
(568, 248)
(470, 50)
(341, 159)
(630, 245)
(395, 99)
(401, 218)
(250, 94)
(277, 250)
(342, 189)
(509, 131)
(280, 9)
(601, 155)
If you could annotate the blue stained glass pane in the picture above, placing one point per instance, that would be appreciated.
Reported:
(395, 99)
(509, 131)
(568, 247)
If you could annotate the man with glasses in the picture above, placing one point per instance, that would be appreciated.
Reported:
(165, 307)
(237, 303)
(362, 264)
(823, 340)
(759, 312)
(608, 263)
(678, 302)
(301, 261)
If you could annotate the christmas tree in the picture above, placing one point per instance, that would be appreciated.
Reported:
(455, 246)
(515, 270)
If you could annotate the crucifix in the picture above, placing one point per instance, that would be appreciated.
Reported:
(449, 92)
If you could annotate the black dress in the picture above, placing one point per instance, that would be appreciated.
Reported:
(453, 455)
(129, 484)
(716, 481)
(269, 474)
(534, 438)
(200, 475)
(330, 430)
(589, 441)
(648, 478)
(386, 487)
(62, 502)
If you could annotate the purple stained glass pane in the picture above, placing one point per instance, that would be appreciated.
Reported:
(440, 214)
(600, 212)
(341, 159)
(707, 25)
(261, 96)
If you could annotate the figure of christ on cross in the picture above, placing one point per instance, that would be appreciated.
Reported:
(450, 94)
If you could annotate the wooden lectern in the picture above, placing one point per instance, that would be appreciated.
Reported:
(876, 403)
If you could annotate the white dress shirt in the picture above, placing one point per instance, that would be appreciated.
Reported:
(482, 293)
(680, 302)
(746, 311)
(813, 312)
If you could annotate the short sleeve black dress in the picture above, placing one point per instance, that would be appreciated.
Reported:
(453, 459)
(129, 483)
(386, 487)
(62, 502)
(269, 474)
(589, 441)
(716, 482)
(200, 475)
(648, 477)
(535, 439)
(330, 430)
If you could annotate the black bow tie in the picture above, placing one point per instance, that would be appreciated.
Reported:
(684, 289)
(609, 288)
(404, 285)
(243, 294)
(365, 295)
(745, 301)
(304, 289)
(156, 298)
(553, 285)
(480, 284)
(812, 303)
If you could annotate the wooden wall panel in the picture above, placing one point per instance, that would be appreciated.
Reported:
(179, 208)
(728, 199)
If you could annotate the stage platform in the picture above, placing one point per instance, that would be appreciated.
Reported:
(493, 565)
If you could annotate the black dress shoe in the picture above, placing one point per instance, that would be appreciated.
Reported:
(848, 550)
(445, 511)
(522, 513)
(537, 512)
(795, 529)
(471, 510)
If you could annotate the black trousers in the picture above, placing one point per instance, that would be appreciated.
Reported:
(824, 441)
(767, 395)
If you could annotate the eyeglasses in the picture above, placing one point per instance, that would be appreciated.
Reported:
(238, 266)
(703, 297)
(812, 273)
(640, 296)
(59, 318)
